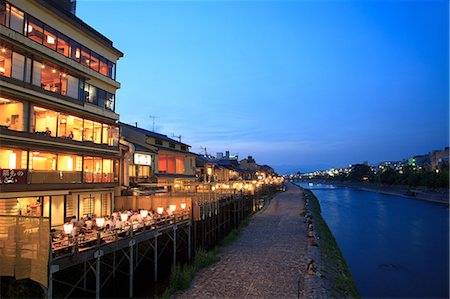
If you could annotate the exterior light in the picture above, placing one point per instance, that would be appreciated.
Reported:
(124, 217)
(68, 227)
(144, 213)
(183, 205)
(100, 221)
(173, 207)
(160, 210)
(3, 50)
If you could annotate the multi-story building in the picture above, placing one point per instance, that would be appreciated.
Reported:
(161, 160)
(59, 138)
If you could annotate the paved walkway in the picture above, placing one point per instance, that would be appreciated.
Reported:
(267, 258)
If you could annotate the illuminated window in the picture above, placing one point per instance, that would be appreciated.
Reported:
(42, 161)
(13, 158)
(162, 163)
(35, 30)
(44, 121)
(97, 133)
(88, 130)
(108, 173)
(75, 51)
(95, 61)
(88, 171)
(5, 62)
(103, 66)
(11, 114)
(69, 162)
(179, 165)
(53, 80)
(74, 128)
(50, 37)
(63, 46)
(85, 56)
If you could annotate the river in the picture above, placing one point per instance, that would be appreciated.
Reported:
(395, 246)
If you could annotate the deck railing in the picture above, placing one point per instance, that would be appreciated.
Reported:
(82, 242)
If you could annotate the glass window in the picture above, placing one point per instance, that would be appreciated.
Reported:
(72, 87)
(74, 128)
(35, 30)
(13, 158)
(18, 66)
(87, 203)
(116, 133)
(12, 115)
(63, 45)
(75, 51)
(97, 138)
(3, 13)
(50, 37)
(62, 126)
(110, 100)
(37, 71)
(111, 70)
(53, 80)
(103, 66)
(5, 62)
(85, 56)
(90, 93)
(95, 61)
(88, 169)
(162, 163)
(44, 121)
(179, 165)
(107, 135)
(101, 97)
(28, 70)
(30, 206)
(69, 162)
(42, 161)
(98, 170)
(110, 135)
(88, 130)
(108, 173)
(16, 19)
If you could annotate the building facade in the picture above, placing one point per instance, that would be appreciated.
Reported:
(59, 136)
(169, 161)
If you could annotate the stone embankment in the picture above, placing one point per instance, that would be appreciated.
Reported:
(274, 257)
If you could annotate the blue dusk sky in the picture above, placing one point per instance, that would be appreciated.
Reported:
(299, 85)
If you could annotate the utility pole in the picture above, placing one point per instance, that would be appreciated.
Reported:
(204, 149)
(153, 117)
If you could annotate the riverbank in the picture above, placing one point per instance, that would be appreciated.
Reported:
(333, 269)
(414, 193)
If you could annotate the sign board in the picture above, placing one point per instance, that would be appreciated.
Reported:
(142, 159)
(13, 176)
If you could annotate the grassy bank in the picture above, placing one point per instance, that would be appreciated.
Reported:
(181, 276)
(334, 266)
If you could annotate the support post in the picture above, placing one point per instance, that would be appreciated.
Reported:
(189, 242)
(50, 285)
(174, 260)
(156, 259)
(97, 255)
(130, 275)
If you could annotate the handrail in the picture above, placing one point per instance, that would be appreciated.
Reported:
(70, 245)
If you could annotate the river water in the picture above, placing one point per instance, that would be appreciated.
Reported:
(395, 247)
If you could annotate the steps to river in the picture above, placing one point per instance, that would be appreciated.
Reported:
(268, 260)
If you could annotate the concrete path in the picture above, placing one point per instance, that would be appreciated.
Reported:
(267, 258)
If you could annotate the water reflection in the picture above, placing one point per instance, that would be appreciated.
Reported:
(394, 246)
